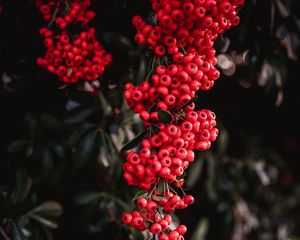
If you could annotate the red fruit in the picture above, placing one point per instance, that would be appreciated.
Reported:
(191, 68)
(140, 38)
(181, 229)
(155, 228)
(166, 162)
(186, 32)
(137, 95)
(163, 153)
(165, 80)
(181, 153)
(156, 166)
(174, 235)
(45, 9)
(163, 237)
(151, 206)
(127, 218)
(159, 50)
(190, 156)
(137, 221)
(202, 146)
(168, 218)
(160, 70)
(142, 203)
(164, 172)
(145, 152)
(172, 130)
(189, 199)
(145, 116)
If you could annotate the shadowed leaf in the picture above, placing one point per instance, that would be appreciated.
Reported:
(134, 142)
(165, 116)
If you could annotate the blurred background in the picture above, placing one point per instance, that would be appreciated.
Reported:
(60, 164)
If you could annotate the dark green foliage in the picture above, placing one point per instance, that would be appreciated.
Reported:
(61, 158)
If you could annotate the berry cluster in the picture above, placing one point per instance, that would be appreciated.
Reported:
(72, 57)
(165, 155)
(77, 11)
(181, 35)
(192, 24)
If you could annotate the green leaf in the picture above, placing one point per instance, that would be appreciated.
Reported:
(22, 186)
(187, 103)
(58, 150)
(85, 149)
(103, 156)
(137, 235)
(46, 233)
(79, 133)
(47, 160)
(140, 194)
(46, 213)
(51, 123)
(118, 40)
(17, 232)
(47, 222)
(18, 145)
(49, 208)
(81, 113)
(31, 125)
(135, 141)
(194, 173)
(211, 177)
(165, 116)
(155, 128)
(84, 198)
(152, 108)
(107, 109)
(140, 73)
(223, 141)
(111, 197)
(201, 230)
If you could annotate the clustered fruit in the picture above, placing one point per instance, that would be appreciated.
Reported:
(73, 57)
(181, 35)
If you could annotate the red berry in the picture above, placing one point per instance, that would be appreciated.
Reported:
(189, 199)
(127, 218)
(181, 229)
(155, 228)
(142, 203)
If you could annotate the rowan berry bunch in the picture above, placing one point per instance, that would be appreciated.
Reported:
(72, 57)
(181, 36)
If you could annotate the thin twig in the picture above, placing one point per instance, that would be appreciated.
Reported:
(183, 192)
(173, 190)
(165, 59)
(53, 16)
(149, 75)
(151, 193)
(153, 63)
(182, 48)
(3, 234)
